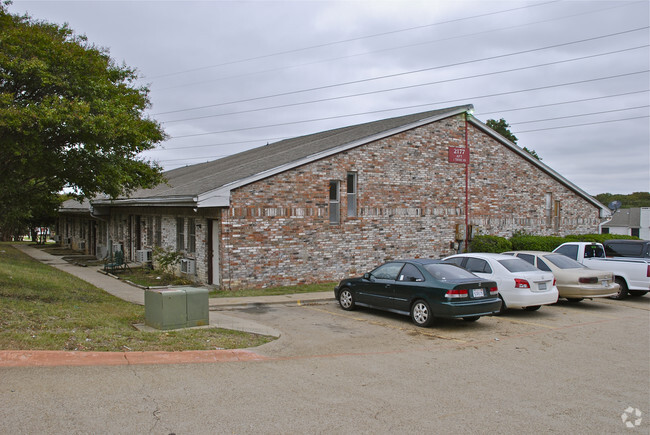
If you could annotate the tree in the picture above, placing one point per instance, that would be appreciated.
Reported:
(503, 128)
(70, 118)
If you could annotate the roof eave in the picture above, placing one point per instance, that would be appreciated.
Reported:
(220, 197)
(604, 211)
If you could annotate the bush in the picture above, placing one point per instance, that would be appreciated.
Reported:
(490, 244)
(527, 242)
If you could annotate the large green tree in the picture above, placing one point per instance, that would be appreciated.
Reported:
(70, 118)
(503, 128)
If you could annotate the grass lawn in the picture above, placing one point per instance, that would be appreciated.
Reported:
(43, 308)
(304, 288)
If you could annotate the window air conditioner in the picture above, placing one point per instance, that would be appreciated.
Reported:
(188, 266)
(143, 256)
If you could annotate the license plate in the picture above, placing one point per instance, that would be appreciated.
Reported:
(479, 293)
(542, 286)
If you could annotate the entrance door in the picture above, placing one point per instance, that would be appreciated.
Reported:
(214, 238)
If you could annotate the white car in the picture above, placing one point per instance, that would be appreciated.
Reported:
(520, 284)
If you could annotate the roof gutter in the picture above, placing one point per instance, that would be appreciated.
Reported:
(163, 201)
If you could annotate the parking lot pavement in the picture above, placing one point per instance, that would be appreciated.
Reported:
(569, 368)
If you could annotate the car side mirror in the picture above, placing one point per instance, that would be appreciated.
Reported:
(366, 275)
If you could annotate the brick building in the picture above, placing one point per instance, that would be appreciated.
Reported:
(331, 204)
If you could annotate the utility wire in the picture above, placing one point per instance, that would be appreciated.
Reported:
(414, 106)
(581, 114)
(399, 47)
(582, 125)
(345, 41)
(564, 44)
(400, 88)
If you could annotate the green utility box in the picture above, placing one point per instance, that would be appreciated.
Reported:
(176, 308)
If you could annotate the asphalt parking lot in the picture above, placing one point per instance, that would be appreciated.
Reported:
(567, 368)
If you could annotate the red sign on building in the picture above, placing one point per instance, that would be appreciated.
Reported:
(458, 155)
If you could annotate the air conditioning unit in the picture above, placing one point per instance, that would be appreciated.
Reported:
(117, 247)
(143, 255)
(188, 266)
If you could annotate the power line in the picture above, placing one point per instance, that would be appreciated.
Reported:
(400, 88)
(414, 106)
(582, 125)
(345, 41)
(400, 47)
(581, 114)
(318, 88)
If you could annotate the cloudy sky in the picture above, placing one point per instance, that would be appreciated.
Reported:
(570, 77)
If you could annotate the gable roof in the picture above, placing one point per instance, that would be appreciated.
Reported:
(209, 184)
(625, 217)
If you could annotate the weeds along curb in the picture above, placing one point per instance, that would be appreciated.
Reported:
(143, 287)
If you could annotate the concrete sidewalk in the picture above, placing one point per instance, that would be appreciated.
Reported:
(218, 318)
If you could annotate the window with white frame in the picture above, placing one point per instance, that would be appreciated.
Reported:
(335, 202)
(351, 189)
(191, 235)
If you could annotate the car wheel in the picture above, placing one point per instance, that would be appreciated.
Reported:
(533, 308)
(503, 306)
(421, 313)
(637, 293)
(622, 292)
(471, 318)
(346, 300)
(574, 299)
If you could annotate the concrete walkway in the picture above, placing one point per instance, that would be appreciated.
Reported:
(119, 288)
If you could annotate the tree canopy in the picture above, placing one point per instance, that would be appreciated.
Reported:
(70, 118)
(633, 200)
(503, 128)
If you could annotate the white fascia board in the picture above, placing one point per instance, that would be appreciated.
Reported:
(163, 201)
(221, 197)
(604, 211)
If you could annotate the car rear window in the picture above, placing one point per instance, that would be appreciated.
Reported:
(444, 272)
(517, 265)
(563, 262)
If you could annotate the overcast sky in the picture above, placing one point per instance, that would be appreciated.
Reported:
(570, 77)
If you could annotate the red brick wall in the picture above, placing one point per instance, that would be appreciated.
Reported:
(410, 199)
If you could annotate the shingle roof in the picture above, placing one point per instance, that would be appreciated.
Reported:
(204, 177)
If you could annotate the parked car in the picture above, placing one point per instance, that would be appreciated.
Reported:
(422, 288)
(631, 274)
(627, 248)
(573, 280)
(520, 284)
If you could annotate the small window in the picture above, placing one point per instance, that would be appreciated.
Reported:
(158, 231)
(556, 214)
(477, 265)
(570, 251)
(335, 202)
(548, 208)
(191, 235)
(352, 194)
(410, 273)
(541, 265)
(528, 258)
(180, 234)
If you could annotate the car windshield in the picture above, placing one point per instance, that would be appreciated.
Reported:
(563, 262)
(517, 265)
(444, 272)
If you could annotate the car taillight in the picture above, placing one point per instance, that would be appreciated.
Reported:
(648, 272)
(459, 293)
(554, 281)
(590, 280)
(494, 291)
(521, 283)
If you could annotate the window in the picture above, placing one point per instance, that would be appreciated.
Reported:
(352, 194)
(570, 251)
(556, 214)
(180, 234)
(543, 266)
(387, 271)
(548, 207)
(528, 258)
(477, 265)
(149, 231)
(335, 202)
(410, 273)
(157, 241)
(191, 235)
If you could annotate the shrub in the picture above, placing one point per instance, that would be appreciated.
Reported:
(527, 242)
(487, 243)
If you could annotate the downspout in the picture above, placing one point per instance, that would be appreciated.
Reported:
(467, 115)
